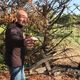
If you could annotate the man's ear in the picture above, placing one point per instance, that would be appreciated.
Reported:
(28, 20)
(16, 20)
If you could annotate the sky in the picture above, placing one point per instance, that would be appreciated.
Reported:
(72, 7)
(75, 1)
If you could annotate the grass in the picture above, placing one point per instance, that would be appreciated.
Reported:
(74, 37)
(1, 30)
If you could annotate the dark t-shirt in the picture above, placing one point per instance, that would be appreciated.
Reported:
(14, 45)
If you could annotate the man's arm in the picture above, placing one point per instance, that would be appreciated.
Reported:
(16, 38)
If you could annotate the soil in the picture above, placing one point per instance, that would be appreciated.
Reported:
(67, 68)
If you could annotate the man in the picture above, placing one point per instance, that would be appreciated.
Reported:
(15, 46)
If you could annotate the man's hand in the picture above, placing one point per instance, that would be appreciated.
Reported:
(30, 42)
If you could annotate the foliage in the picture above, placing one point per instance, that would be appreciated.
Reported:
(43, 23)
(70, 19)
(3, 67)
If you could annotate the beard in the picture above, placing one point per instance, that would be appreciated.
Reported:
(22, 23)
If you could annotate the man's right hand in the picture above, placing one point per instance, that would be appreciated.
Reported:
(29, 43)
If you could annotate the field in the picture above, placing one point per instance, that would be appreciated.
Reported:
(67, 65)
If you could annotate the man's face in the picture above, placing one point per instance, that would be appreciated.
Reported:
(22, 18)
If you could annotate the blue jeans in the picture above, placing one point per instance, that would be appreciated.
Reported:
(17, 73)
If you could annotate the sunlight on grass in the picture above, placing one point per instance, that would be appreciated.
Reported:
(1, 30)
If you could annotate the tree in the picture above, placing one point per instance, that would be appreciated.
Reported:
(42, 24)
(44, 21)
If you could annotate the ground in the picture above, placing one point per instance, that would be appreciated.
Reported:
(65, 68)
(5, 76)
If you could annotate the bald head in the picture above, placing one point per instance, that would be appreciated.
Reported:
(22, 17)
(22, 12)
